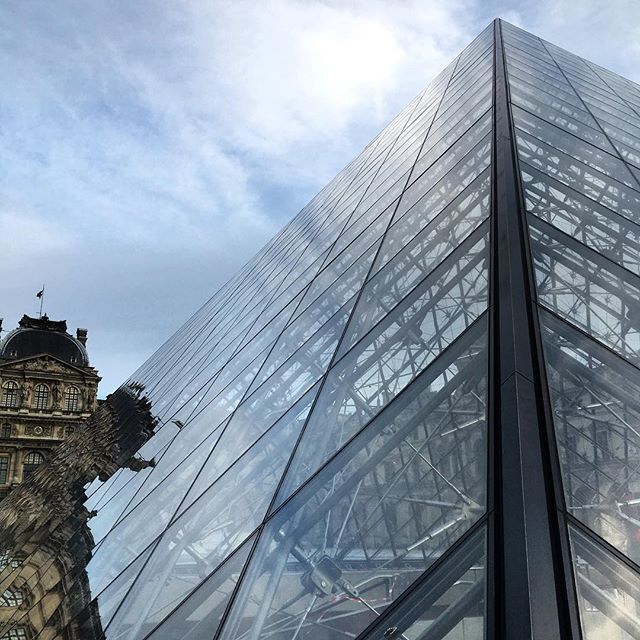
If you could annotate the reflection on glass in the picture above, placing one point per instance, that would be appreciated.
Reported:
(580, 286)
(608, 592)
(393, 353)
(448, 604)
(382, 511)
(595, 397)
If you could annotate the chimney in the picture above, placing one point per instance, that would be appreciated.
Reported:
(81, 334)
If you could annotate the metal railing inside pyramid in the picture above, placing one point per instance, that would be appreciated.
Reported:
(414, 414)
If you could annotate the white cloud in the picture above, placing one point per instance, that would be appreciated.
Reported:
(150, 148)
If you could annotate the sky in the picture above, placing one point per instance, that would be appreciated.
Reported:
(150, 148)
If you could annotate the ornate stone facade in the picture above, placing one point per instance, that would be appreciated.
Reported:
(47, 390)
(46, 534)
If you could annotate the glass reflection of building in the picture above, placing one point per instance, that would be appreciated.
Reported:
(414, 414)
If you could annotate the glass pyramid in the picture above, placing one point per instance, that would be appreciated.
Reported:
(414, 414)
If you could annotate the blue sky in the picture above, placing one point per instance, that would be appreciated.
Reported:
(150, 148)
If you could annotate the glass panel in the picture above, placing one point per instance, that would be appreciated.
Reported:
(393, 353)
(584, 179)
(573, 146)
(414, 263)
(235, 441)
(608, 592)
(582, 219)
(587, 291)
(449, 604)
(200, 615)
(595, 397)
(379, 513)
(406, 226)
(474, 144)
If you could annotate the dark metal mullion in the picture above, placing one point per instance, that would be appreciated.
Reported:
(566, 583)
(529, 581)
(565, 578)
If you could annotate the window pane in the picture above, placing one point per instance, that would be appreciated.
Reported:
(390, 356)
(381, 512)
(595, 397)
(608, 592)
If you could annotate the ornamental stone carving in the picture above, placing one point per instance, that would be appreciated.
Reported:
(59, 361)
(56, 393)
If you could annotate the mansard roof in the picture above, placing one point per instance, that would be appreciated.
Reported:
(37, 336)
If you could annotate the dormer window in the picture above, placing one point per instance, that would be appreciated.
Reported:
(10, 394)
(41, 396)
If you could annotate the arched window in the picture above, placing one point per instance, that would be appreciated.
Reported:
(41, 396)
(11, 598)
(31, 462)
(71, 396)
(10, 394)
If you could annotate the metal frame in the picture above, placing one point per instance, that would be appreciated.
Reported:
(528, 578)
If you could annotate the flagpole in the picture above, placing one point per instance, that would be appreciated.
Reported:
(41, 301)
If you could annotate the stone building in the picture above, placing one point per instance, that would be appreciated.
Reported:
(47, 390)
(48, 535)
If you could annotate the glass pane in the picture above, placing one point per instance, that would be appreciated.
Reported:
(234, 442)
(418, 258)
(379, 513)
(583, 219)
(581, 287)
(199, 616)
(449, 603)
(595, 397)
(608, 592)
(391, 355)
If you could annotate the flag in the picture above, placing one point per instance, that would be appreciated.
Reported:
(40, 293)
